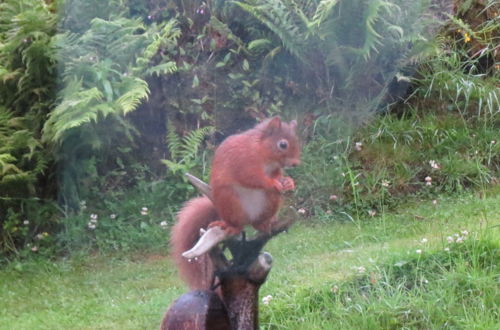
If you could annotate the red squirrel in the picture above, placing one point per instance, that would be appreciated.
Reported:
(247, 184)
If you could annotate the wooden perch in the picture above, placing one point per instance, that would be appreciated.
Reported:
(233, 301)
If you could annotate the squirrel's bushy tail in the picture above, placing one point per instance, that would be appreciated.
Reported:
(196, 213)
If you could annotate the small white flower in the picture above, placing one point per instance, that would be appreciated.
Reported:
(301, 211)
(335, 289)
(333, 197)
(460, 239)
(493, 141)
(164, 224)
(34, 248)
(447, 249)
(418, 251)
(372, 213)
(465, 232)
(424, 240)
(39, 236)
(358, 146)
(91, 225)
(26, 222)
(113, 216)
(144, 211)
(434, 164)
(435, 202)
(361, 269)
(267, 299)
(450, 239)
(428, 181)
(385, 183)
(93, 216)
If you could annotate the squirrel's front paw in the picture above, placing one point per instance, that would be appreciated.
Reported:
(278, 185)
(287, 183)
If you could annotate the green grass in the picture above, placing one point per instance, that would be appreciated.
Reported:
(315, 283)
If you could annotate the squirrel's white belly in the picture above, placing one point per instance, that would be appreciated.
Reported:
(253, 201)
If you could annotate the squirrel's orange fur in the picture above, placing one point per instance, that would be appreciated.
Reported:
(247, 182)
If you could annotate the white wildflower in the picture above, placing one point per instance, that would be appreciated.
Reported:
(434, 164)
(450, 239)
(447, 249)
(385, 183)
(113, 216)
(26, 222)
(267, 299)
(358, 146)
(301, 211)
(418, 251)
(361, 269)
(164, 224)
(424, 240)
(144, 211)
(460, 239)
(333, 197)
(465, 232)
(428, 181)
(372, 213)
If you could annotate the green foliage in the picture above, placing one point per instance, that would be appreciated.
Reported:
(347, 52)
(389, 160)
(27, 88)
(122, 221)
(463, 75)
(185, 157)
(184, 151)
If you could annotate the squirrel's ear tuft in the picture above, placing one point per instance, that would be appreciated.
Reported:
(273, 125)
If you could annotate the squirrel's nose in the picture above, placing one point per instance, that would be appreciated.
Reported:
(293, 162)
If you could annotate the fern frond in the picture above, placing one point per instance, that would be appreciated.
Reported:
(174, 143)
(192, 142)
(136, 90)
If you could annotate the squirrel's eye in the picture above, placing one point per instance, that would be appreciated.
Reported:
(283, 144)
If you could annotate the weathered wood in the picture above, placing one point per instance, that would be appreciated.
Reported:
(197, 310)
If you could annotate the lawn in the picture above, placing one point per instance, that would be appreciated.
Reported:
(395, 270)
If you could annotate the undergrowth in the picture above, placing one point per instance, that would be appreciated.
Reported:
(419, 153)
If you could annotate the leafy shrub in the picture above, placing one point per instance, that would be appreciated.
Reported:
(443, 142)
(27, 89)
